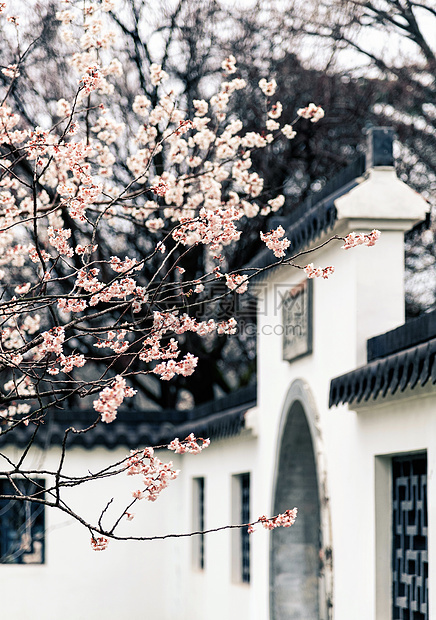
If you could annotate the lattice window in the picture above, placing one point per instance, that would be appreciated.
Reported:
(21, 524)
(409, 541)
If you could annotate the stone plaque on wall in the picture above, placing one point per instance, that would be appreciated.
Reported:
(297, 320)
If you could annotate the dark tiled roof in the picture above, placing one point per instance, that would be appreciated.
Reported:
(399, 359)
(413, 332)
(221, 418)
(216, 426)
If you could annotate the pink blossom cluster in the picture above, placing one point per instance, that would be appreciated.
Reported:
(323, 272)
(34, 256)
(164, 322)
(11, 71)
(22, 289)
(141, 105)
(31, 323)
(289, 132)
(38, 143)
(154, 224)
(72, 305)
(312, 112)
(268, 88)
(88, 280)
(156, 474)
(212, 227)
(84, 199)
(58, 239)
(237, 282)
(11, 337)
(92, 79)
(100, 543)
(161, 188)
(72, 361)
(227, 327)
(275, 111)
(108, 131)
(275, 203)
(53, 340)
(285, 519)
(135, 460)
(121, 266)
(111, 397)
(67, 363)
(274, 241)
(8, 120)
(115, 341)
(201, 107)
(157, 74)
(153, 349)
(184, 196)
(63, 108)
(167, 321)
(185, 367)
(71, 157)
(354, 239)
(82, 249)
(120, 289)
(189, 444)
(229, 64)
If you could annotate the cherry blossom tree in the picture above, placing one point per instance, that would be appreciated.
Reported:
(81, 315)
(189, 39)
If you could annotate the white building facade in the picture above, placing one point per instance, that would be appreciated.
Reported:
(343, 427)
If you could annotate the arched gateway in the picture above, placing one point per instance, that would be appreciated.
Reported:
(300, 560)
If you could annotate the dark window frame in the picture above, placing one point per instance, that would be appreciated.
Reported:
(245, 536)
(22, 522)
(240, 538)
(199, 546)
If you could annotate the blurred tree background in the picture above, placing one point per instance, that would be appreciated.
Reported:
(367, 63)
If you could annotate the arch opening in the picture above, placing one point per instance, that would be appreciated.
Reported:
(295, 551)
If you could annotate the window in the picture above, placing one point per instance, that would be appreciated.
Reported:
(198, 523)
(409, 538)
(21, 524)
(241, 537)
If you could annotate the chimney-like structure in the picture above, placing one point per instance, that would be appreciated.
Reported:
(379, 147)
(380, 200)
